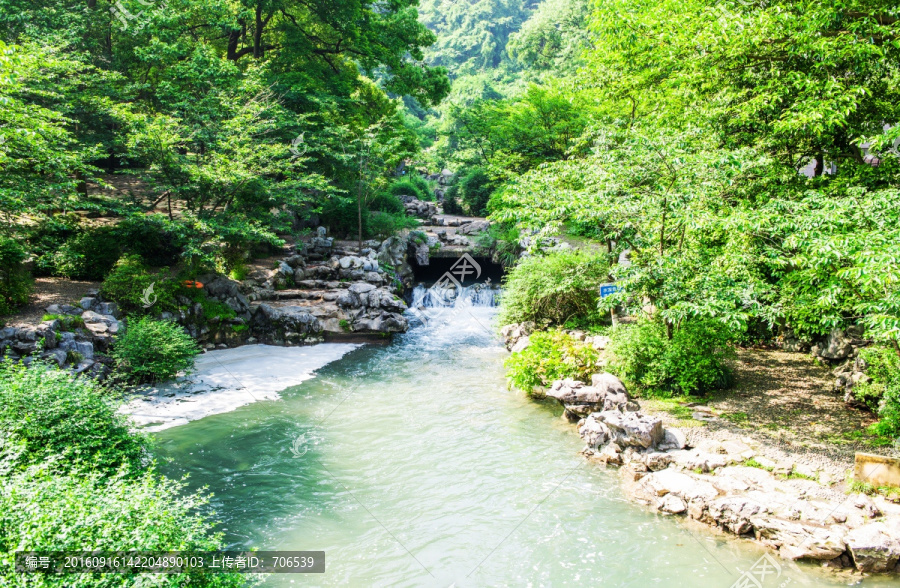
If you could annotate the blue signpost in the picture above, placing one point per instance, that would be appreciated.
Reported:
(607, 290)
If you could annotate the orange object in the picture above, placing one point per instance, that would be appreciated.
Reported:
(192, 284)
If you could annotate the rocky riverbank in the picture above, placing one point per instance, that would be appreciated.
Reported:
(791, 505)
(799, 504)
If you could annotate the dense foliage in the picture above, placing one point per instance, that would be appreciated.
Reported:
(71, 421)
(553, 289)
(154, 350)
(74, 476)
(551, 355)
(694, 360)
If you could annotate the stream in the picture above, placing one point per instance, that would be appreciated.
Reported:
(411, 464)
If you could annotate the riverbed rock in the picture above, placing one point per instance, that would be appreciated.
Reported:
(606, 393)
(800, 540)
(631, 429)
(512, 333)
(873, 549)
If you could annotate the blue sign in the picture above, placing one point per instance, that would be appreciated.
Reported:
(607, 290)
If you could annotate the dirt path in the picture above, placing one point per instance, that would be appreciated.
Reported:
(49, 291)
(784, 401)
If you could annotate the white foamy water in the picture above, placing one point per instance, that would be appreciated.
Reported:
(227, 379)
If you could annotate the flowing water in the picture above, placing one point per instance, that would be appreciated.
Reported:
(413, 465)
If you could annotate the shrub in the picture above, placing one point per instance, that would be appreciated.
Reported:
(340, 216)
(153, 237)
(692, 361)
(451, 200)
(553, 289)
(882, 392)
(500, 243)
(474, 191)
(551, 355)
(52, 413)
(15, 283)
(383, 225)
(151, 350)
(41, 511)
(132, 286)
(67, 322)
(88, 255)
(413, 185)
(386, 202)
(47, 236)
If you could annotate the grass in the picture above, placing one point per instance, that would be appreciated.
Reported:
(738, 418)
(855, 486)
(66, 321)
(752, 463)
(677, 407)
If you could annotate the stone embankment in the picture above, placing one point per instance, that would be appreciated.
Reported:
(799, 508)
(319, 292)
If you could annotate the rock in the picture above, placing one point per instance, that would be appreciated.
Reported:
(672, 504)
(669, 481)
(87, 302)
(673, 439)
(57, 355)
(512, 333)
(733, 513)
(473, 227)
(873, 549)
(107, 308)
(656, 461)
(579, 400)
(521, 345)
(797, 540)
(631, 429)
(865, 504)
(270, 324)
(836, 346)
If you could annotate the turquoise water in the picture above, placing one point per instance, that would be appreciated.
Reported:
(413, 465)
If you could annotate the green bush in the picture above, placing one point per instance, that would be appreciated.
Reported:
(386, 202)
(383, 225)
(551, 355)
(156, 239)
(881, 392)
(47, 236)
(153, 351)
(500, 243)
(474, 191)
(15, 283)
(694, 360)
(42, 511)
(340, 216)
(451, 200)
(553, 289)
(67, 322)
(129, 284)
(72, 420)
(88, 255)
(413, 185)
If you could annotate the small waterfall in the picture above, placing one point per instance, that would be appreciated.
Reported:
(454, 310)
(452, 296)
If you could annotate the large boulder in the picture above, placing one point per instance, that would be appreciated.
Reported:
(473, 227)
(837, 346)
(873, 549)
(628, 429)
(606, 393)
(280, 325)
